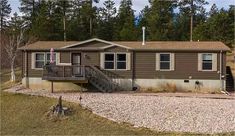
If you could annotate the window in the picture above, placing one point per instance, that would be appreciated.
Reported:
(115, 61)
(42, 59)
(121, 61)
(165, 62)
(206, 61)
(109, 61)
(39, 60)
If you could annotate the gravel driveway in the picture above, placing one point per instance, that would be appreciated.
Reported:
(198, 115)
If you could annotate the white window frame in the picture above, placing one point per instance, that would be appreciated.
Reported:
(165, 61)
(45, 59)
(35, 60)
(211, 61)
(121, 61)
(115, 61)
(114, 58)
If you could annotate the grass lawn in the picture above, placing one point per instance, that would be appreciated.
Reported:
(5, 75)
(25, 115)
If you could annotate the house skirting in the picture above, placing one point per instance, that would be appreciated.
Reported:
(128, 84)
(182, 85)
(38, 83)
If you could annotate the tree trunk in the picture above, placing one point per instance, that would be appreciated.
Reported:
(13, 76)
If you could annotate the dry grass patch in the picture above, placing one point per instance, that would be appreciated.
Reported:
(25, 115)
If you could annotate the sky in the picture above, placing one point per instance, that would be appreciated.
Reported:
(138, 5)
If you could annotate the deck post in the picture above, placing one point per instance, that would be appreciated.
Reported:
(52, 87)
(63, 71)
(82, 87)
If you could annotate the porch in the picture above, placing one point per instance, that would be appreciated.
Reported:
(74, 73)
(79, 74)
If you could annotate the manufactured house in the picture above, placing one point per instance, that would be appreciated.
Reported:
(126, 65)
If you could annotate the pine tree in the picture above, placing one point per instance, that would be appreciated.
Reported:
(142, 22)
(218, 27)
(29, 9)
(191, 10)
(64, 9)
(106, 21)
(79, 25)
(160, 20)
(213, 10)
(126, 22)
(92, 15)
(5, 11)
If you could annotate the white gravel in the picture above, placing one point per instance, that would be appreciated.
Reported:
(197, 115)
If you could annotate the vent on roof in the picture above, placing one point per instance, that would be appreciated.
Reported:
(143, 28)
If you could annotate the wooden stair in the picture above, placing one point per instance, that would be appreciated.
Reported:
(229, 80)
(100, 80)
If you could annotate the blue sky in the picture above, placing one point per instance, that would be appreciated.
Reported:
(138, 5)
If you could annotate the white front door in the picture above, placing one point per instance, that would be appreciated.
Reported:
(76, 62)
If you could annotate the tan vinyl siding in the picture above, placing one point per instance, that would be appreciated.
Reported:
(145, 65)
(185, 66)
(65, 57)
(32, 72)
(90, 58)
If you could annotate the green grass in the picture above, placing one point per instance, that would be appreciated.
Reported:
(25, 115)
(5, 78)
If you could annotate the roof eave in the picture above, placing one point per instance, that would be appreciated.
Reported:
(194, 50)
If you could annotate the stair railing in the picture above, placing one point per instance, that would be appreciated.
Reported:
(104, 80)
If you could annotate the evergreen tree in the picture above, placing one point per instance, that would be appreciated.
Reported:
(213, 10)
(5, 11)
(188, 8)
(107, 21)
(126, 22)
(218, 27)
(29, 9)
(92, 15)
(79, 26)
(64, 12)
(160, 20)
(143, 22)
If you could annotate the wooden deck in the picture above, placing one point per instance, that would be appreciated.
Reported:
(66, 79)
(75, 74)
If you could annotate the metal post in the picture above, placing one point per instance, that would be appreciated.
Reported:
(63, 71)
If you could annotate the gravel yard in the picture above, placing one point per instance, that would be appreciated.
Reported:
(199, 115)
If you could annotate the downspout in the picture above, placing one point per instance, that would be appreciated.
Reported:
(26, 69)
(22, 65)
(220, 76)
(133, 70)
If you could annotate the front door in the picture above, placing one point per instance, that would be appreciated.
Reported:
(76, 62)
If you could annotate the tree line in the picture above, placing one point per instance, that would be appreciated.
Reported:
(165, 20)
